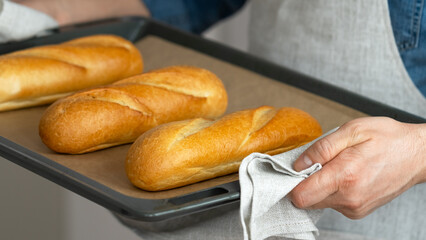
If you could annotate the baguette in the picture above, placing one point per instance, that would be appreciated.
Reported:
(119, 113)
(185, 152)
(43, 74)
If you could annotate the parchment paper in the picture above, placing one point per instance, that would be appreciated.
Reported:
(245, 89)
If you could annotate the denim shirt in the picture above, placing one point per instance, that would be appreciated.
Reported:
(192, 15)
(408, 18)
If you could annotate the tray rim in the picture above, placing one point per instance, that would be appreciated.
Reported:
(151, 210)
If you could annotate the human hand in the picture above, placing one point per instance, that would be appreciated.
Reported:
(366, 163)
(67, 12)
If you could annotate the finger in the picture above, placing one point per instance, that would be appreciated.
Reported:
(347, 210)
(328, 202)
(328, 147)
(316, 188)
(326, 188)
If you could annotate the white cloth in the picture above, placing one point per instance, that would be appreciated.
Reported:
(265, 211)
(265, 181)
(18, 22)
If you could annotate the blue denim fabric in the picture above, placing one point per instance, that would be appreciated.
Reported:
(192, 15)
(408, 19)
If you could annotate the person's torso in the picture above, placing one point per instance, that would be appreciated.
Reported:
(349, 44)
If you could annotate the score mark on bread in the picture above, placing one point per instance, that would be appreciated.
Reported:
(180, 153)
(119, 113)
(43, 74)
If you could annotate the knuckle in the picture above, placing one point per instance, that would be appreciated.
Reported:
(328, 183)
(355, 128)
(322, 150)
(351, 173)
(353, 215)
(354, 206)
(298, 199)
(350, 179)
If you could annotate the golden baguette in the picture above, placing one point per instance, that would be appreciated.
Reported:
(119, 113)
(43, 74)
(185, 152)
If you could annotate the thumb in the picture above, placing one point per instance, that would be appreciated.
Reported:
(326, 148)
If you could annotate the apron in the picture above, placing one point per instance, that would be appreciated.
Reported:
(349, 44)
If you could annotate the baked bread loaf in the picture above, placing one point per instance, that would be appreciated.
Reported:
(185, 152)
(119, 113)
(43, 74)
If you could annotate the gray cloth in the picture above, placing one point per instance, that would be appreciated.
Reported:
(265, 211)
(18, 22)
(348, 43)
(218, 224)
(333, 235)
(402, 218)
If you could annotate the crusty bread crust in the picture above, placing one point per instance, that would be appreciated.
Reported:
(43, 74)
(119, 113)
(185, 152)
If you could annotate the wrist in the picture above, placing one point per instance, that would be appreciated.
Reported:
(419, 131)
(102, 9)
(67, 12)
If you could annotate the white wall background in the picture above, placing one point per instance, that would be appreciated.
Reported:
(35, 208)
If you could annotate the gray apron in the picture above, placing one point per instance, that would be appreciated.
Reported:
(349, 44)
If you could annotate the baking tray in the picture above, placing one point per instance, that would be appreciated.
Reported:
(250, 82)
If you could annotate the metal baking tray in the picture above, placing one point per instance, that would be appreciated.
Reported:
(250, 82)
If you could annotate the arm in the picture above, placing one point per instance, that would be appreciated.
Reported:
(366, 163)
(67, 12)
(190, 15)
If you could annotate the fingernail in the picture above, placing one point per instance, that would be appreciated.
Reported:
(307, 161)
(304, 164)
